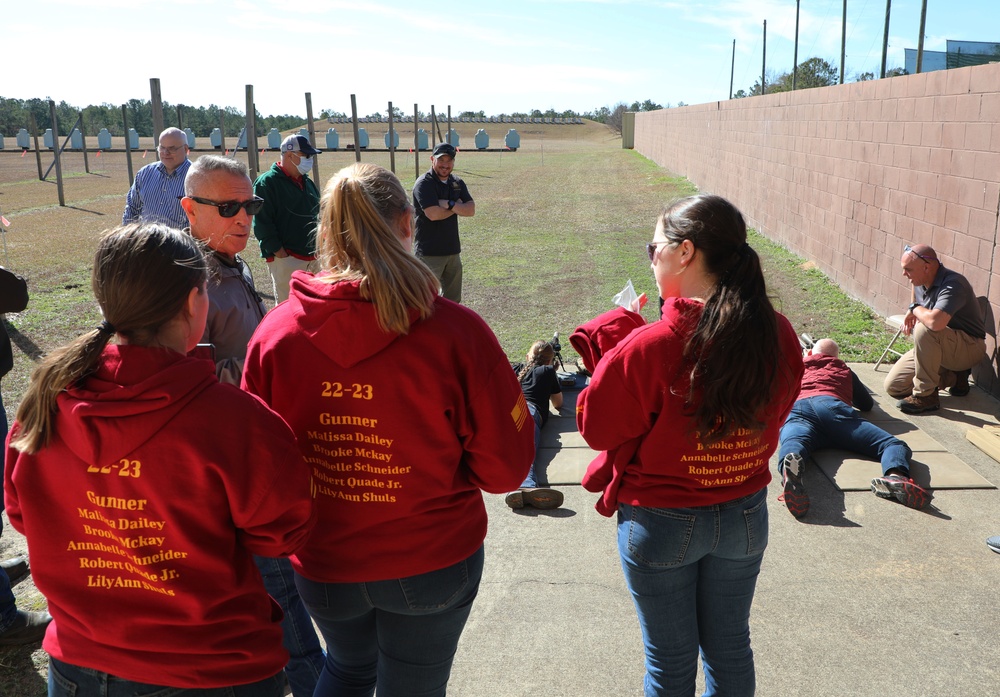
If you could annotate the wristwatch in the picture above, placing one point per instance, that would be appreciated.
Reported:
(913, 305)
(451, 204)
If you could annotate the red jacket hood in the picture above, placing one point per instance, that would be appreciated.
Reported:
(328, 312)
(125, 402)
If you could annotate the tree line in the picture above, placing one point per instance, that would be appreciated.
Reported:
(812, 72)
(15, 114)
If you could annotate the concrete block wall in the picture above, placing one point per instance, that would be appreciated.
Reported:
(847, 175)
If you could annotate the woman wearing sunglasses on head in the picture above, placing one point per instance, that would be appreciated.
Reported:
(690, 407)
(407, 409)
(144, 488)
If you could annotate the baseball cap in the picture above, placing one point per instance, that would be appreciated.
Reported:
(444, 149)
(299, 144)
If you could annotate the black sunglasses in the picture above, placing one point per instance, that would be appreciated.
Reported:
(228, 209)
(651, 248)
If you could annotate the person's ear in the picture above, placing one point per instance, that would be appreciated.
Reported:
(188, 205)
(190, 305)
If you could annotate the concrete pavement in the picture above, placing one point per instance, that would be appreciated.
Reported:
(863, 597)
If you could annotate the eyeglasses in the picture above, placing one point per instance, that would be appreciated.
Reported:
(909, 249)
(171, 150)
(228, 209)
(651, 248)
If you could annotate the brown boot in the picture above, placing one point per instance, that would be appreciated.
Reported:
(917, 404)
(961, 386)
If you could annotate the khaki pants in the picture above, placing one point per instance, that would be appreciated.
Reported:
(281, 273)
(933, 361)
(448, 269)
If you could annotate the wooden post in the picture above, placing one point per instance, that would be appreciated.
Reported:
(38, 153)
(416, 140)
(180, 116)
(354, 120)
(83, 142)
(392, 143)
(128, 146)
(448, 136)
(435, 133)
(55, 151)
(251, 134)
(157, 104)
(312, 137)
(222, 131)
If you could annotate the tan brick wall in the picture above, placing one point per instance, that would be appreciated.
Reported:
(847, 175)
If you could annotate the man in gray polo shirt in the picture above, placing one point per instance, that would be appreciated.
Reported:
(949, 335)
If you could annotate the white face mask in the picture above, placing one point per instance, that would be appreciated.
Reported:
(305, 165)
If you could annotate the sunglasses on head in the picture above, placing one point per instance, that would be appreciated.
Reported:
(228, 209)
(909, 249)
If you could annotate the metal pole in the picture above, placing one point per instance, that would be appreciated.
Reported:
(357, 134)
(416, 141)
(157, 104)
(843, 43)
(56, 151)
(38, 153)
(128, 146)
(732, 70)
(885, 36)
(312, 136)
(392, 142)
(763, 65)
(795, 54)
(920, 40)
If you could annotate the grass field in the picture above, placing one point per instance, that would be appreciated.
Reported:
(560, 227)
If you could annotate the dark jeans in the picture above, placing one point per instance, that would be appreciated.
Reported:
(400, 634)
(66, 680)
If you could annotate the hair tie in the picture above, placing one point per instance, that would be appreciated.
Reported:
(106, 327)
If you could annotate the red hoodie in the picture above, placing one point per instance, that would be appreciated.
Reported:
(402, 431)
(141, 517)
(630, 405)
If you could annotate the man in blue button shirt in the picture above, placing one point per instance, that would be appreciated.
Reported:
(155, 194)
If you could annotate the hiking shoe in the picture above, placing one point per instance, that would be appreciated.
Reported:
(795, 497)
(902, 489)
(515, 499)
(994, 543)
(915, 404)
(28, 627)
(961, 386)
(541, 497)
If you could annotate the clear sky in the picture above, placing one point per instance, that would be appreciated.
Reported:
(495, 56)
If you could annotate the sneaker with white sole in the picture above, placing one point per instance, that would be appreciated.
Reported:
(901, 489)
(795, 497)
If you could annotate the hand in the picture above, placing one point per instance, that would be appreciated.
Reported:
(443, 202)
(638, 303)
(280, 253)
(908, 322)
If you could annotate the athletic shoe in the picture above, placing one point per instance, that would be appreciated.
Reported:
(961, 386)
(902, 489)
(542, 498)
(915, 404)
(795, 496)
(994, 543)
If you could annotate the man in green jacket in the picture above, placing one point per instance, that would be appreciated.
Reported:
(286, 225)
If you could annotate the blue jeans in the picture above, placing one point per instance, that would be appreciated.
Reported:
(8, 608)
(540, 476)
(67, 680)
(400, 634)
(826, 422)
(692, 574)
(305, 661)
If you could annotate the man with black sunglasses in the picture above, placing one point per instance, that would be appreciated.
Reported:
(949, 334)
(286, 225)
(220, 205)
(154, 195)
